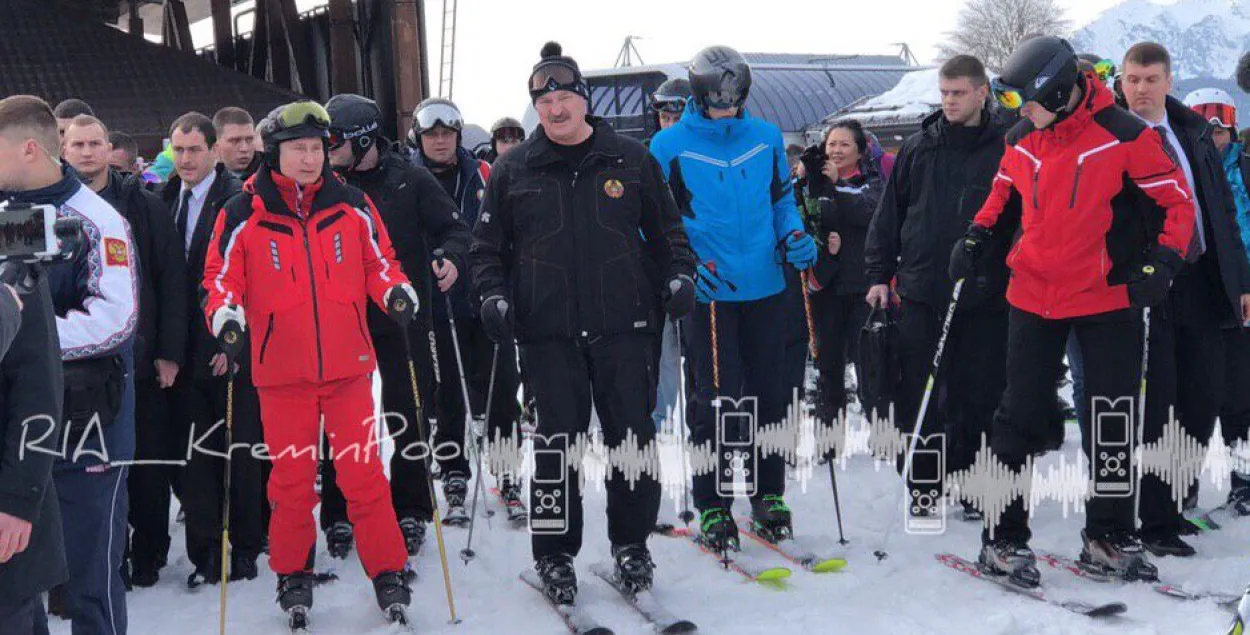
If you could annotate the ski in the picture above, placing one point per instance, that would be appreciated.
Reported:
(646, 604)
(1080, 608)
(456, 516)
(741, 563)
(578, 621)
(793, 551)
(517, 516)
(1171, 590)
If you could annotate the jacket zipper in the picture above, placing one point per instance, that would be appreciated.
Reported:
(264, 345)
(312, 281)
(1076, 184)
(1037, 174)
(573, 218)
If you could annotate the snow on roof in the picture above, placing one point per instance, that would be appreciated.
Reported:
(915, 96)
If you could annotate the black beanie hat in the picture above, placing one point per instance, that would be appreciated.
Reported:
(549, 69)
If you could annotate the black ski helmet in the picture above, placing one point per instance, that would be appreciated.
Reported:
(356, 120)
(672, 95)
(1042, 69)
(430, 114)
(719, 78)
(504, 123)
(296, 120)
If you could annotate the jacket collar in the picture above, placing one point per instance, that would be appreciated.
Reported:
(936, 129)
(541, 150)
(56, 194)
(1185, 118)
(282, 196)
(1096, 99)
(694, 119)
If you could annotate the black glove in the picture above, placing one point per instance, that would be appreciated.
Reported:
(679, 296)
(1150, 286)
(497, 318)
(813, 159)
(968, 251)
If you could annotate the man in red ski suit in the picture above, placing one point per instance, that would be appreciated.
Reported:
(301, 253)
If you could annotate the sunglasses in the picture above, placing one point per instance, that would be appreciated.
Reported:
(304, 112)
(1218, 114)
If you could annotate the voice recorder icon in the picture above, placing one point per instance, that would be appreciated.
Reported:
(737, 450)
(549, 492)
(925, 513)
(1111, 455)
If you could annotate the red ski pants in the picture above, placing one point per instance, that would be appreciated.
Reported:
(291, 416)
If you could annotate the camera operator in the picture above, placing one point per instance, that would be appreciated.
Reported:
(93, 296)
(32, 551)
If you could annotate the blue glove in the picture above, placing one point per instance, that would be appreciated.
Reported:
(707, 282)
(800, 250)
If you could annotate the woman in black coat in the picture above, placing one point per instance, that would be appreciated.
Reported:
(841, 192)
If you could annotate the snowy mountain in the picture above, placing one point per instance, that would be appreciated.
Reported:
(1205, 37)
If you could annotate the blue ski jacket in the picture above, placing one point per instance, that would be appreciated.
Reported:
(732, 184)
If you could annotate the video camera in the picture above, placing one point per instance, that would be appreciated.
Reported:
(32, 235)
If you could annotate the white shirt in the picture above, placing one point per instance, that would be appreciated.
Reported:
(198, 195)
(1189, 175)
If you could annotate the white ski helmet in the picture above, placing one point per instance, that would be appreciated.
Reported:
(1215, 105)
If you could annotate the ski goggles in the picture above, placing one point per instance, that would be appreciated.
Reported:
(303, 113)
(1014, 97)
(551, 77)
(444, 115)
(1105, 69)
(1008, 97)
(1222, 115)
(338, 137)
(671, 105)
(509, 135)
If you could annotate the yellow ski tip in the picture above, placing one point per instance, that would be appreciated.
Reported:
(832, 565)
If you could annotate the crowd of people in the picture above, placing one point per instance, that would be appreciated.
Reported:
(245, 287)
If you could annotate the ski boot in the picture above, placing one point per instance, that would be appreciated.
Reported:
(1168, 545)
(455, 488)
(339, 538)
(971, 514)
(1118, 554)
(1239, 499)
(242, 567)
(770, 519)
(510, 494)
(1011, 558)
(207, 573)
(295, 596)
(559, 578)
(634, 568)
(393, 595)
(414, 534)
(717, 531)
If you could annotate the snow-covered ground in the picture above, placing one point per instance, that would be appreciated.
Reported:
(908, 592)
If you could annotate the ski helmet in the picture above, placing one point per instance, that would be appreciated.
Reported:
(296, 120)
(671, 96)
(435, 112)
(719, 78)
(1215, 105)
(502, 127)
(1042, 70)
(356, 120)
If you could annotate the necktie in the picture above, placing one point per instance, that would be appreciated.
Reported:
(1195, 241)
(184, 208)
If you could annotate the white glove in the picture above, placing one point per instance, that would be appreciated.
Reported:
(407, 290)
(228, 313)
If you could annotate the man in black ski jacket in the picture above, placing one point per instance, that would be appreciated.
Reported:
(941, 178)
(417, 215)
(437, 127)
(160, 340)
(195, 195)
(557, 252)
(1211, 291)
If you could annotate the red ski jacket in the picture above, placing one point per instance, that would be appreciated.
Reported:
(303, 263)
(1091, 187)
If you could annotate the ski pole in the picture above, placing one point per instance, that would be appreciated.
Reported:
(401, 305)
(924, 402)
(1141, 414)
(231, 341)
(815, 349)
(686, 514)
(440, 255)
(467, 553)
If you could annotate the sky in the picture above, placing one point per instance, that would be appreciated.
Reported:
(497, 41)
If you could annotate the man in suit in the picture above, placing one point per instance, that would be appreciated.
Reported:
(195, 195)
(1211, 291)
